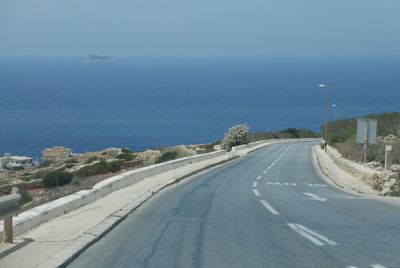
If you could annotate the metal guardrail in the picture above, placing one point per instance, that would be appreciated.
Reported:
(9, 206)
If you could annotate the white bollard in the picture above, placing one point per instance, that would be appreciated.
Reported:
(388, 157)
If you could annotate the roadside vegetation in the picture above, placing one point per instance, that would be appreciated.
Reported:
(101, 167)
(342, 136)
(126, 155)
(290, 133)
(236, 135)
(57, 178)
(167, 156)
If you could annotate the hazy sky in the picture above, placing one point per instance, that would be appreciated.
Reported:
(201, 27)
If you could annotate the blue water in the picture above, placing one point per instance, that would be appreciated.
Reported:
(149, 103)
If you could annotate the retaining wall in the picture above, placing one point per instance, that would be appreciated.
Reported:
(368, 175)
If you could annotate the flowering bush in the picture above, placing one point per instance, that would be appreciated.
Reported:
(236, 135)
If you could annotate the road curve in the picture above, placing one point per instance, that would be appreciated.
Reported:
(267, 209)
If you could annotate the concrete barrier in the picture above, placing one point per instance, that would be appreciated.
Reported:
(35, 216)
(180, 167)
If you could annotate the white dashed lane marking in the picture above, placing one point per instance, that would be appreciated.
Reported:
(315, 197)
(268, 207)
(256, 192)
(259, 177)
(295, 184)
(255, 184)
(372, 265)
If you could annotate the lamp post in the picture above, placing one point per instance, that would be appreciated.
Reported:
(323, 87)
(335, 110)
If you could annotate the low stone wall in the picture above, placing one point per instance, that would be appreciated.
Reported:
(368, 175)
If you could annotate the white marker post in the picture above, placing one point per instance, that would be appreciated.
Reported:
(388, 157)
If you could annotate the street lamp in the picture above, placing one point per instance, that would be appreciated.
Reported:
(323, 87)
(335, 110)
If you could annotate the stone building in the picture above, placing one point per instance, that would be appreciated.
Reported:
(56, 154)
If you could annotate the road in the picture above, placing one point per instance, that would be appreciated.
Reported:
(268, 209)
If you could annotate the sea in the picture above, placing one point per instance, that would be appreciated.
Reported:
(147, 103)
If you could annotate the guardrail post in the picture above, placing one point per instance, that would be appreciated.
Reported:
(8, 230)
(9, 206)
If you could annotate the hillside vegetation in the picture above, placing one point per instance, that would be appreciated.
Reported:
(342, 135)
(289, 133)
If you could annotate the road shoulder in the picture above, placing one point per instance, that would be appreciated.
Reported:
(344, 181)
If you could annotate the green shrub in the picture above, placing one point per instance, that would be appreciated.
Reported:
(18, 168)
(57, 178)
(126, 155)
(25, 197)
(69, 165)
(72, 161)
(377, 187)
(210, 147)
(126, 151)
(102, 167)
(92, 159)
(167, 156)
(115, 166)
(236, 135)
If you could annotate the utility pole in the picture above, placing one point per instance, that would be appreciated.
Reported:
(323, 87)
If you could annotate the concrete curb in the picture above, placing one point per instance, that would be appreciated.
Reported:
(331, 181)
(391, 200)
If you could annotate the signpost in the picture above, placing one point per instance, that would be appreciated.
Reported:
(366, 133)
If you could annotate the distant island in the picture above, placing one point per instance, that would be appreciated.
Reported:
(98, 59)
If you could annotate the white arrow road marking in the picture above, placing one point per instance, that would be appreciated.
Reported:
(315, 197)
(255, 184)
(306, 235)
(268, 206)
(311, 235)
(256, 192)
(377, 266)
(317, 235)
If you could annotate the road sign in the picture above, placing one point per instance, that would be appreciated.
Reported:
(366, 130)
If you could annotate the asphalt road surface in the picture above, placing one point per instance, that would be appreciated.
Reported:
(268, 209)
